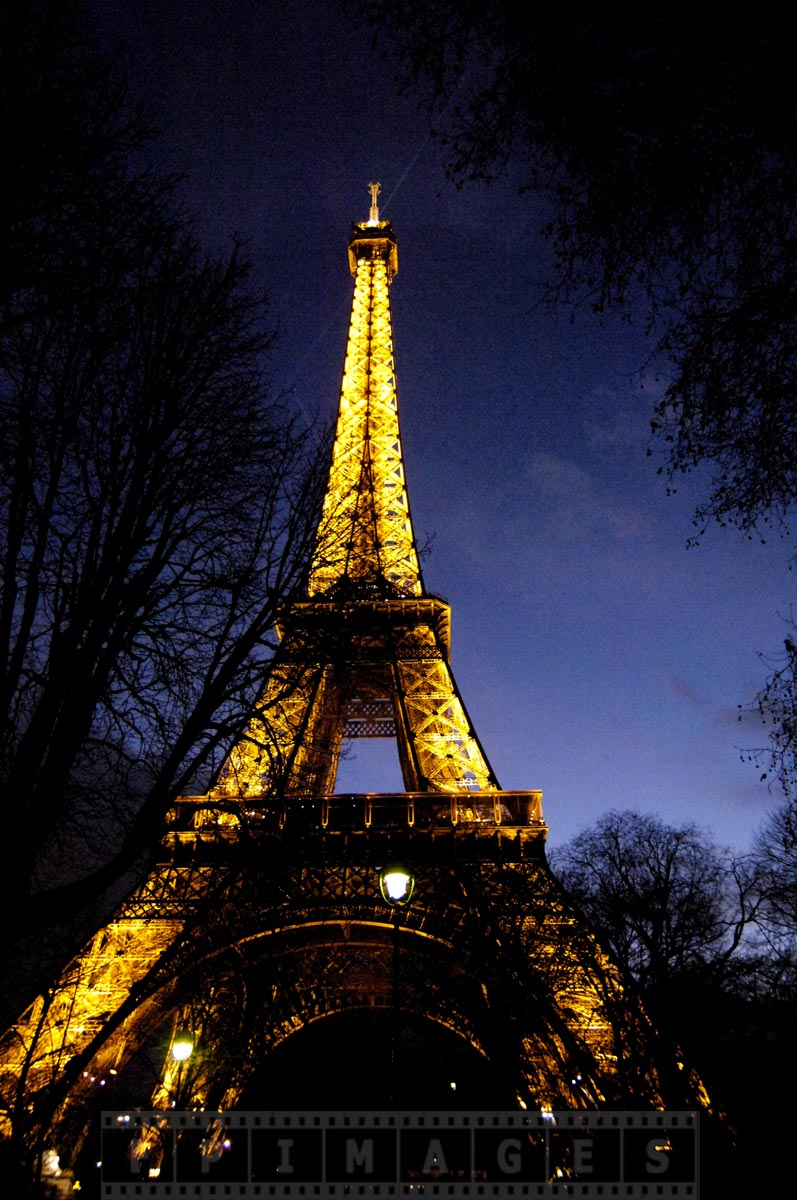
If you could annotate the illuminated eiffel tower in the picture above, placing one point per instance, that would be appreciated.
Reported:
(265, 930)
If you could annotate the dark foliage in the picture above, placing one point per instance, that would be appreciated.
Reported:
(696, 930)
(776, 857)
(777, 707)
(664, 151)
(156, 501)
(666, 902)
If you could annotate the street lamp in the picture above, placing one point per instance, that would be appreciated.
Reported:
(181, 1050)
(396, 883)
(182, 1047)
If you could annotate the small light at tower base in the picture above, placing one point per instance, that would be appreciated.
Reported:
(182, 1047)
(396, 884)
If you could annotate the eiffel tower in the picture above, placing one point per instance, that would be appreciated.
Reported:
(265, 931)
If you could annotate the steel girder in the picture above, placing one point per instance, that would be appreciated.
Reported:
(365, 535)
(378, 652)
(491, 951)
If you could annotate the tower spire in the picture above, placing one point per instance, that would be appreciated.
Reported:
(365, 541)
(373, 216)
(379, 666)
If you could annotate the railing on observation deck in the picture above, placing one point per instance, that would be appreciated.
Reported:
(474, 811)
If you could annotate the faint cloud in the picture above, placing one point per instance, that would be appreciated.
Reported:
(684, 691)
(557, 478)
(746, 718)
(618, 421)
(568, 495)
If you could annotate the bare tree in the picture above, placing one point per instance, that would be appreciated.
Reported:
(72, 194)
(661, 157)
(668, 903)
(156, 499)
(682, 917)
(776, 855)
(777, 707)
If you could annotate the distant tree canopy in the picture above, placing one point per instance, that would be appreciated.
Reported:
(777, 706)
(666, 154)
(668, 904)
(776, 859)
(156, 501)
(710, 940)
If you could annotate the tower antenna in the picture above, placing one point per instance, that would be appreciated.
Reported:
(373, 216)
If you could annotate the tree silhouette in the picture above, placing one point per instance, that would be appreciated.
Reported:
(668, 903)
(661, 154)
(156, 498)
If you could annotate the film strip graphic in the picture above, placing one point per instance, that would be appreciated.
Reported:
(380, 1155)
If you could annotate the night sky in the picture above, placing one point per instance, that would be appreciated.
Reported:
(600, 658)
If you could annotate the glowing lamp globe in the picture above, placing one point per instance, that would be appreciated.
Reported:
(182, 1047)
(396, 884)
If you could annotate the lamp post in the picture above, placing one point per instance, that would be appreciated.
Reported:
(396, 883)
(181, 1051)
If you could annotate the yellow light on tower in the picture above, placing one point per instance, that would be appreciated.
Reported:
(182, 1047)
(396, 884)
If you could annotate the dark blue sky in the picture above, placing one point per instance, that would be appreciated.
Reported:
(600, 659)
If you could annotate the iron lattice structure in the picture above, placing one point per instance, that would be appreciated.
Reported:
(263, 915)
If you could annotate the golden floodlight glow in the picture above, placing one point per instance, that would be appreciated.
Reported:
(365, 560)
(182, 1047)
(397, 885)
(363, 653)
(365, 535)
